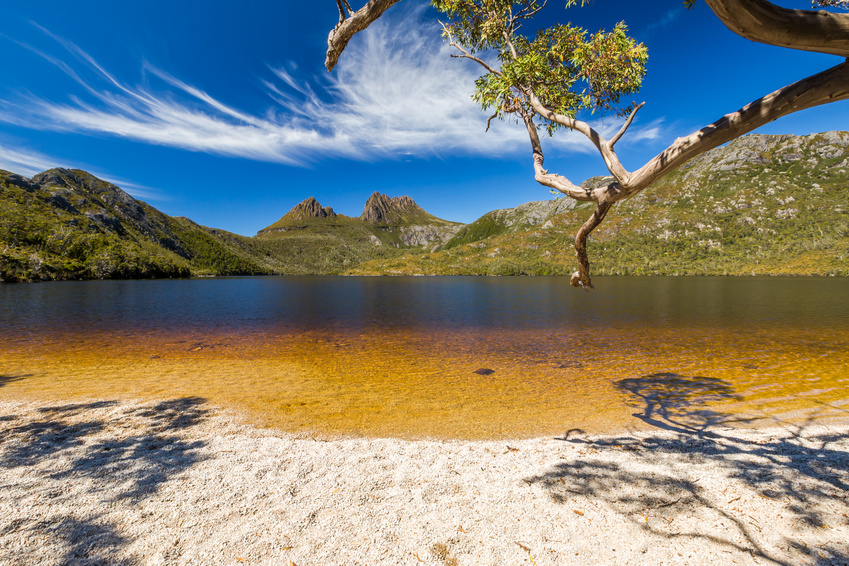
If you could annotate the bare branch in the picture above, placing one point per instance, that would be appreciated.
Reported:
(526, 13)
(542, 176)
(825, 87)
(346, 28)
(465, 54)
(764, 22)
(490, 119)
(625, 126)
(561, 119)
(480, 62)
(342, 15)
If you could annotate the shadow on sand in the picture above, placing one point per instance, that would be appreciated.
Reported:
(7, 379)
(130, 453)
(801, 470)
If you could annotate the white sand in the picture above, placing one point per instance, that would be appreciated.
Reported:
(181, 483)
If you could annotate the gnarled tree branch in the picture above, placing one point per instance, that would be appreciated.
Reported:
(764, 22)
(828, 86)
(580, 278)
(611, 160)
(347, 27)
(543, 177)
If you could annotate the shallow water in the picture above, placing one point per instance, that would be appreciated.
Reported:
(397, 356)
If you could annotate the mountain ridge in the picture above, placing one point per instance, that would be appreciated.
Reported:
(773, 205)
(386, 221)
(68, 224)
(759, 205)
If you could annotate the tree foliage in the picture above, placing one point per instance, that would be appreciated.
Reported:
(569, 68)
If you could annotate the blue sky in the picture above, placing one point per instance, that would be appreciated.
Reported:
(224, 113)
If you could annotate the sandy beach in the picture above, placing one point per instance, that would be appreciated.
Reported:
(181, 482)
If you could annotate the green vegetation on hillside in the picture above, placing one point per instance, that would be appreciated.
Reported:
(487, 226)
(761, 205)
(59, 234)
(326, 248)
(210, 255)
(311, 239)
(67, 224)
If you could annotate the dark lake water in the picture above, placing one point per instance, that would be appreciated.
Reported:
(397, 356)
(264, 303)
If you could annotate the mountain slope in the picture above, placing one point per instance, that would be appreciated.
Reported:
(760, 205)
(67, 224)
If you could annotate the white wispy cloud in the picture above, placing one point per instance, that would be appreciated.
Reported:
(23, 162)
(395, 92)
(666, 20)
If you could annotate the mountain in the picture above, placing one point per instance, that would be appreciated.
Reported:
(380, 209)
(331, 243)
(302, 212)
(759, 205)
(402, 216)
(68, 224)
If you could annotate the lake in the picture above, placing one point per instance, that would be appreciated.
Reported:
(398, 356)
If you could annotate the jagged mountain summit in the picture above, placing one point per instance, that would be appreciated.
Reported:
(380, 209)
(392, 221)
(310, 208)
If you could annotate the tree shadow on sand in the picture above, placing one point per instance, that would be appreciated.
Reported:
(84, 543)
(7, 379)
(803, 473)
(115, 453)
(676, 403)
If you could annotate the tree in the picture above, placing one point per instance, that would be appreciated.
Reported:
(546, 80)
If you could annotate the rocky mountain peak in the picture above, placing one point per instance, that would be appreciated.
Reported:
(17, 180)
(310, 208)
(52, 177)
(380, 209)
(86, 184)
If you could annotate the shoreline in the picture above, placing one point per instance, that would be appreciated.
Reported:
(182, 482)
